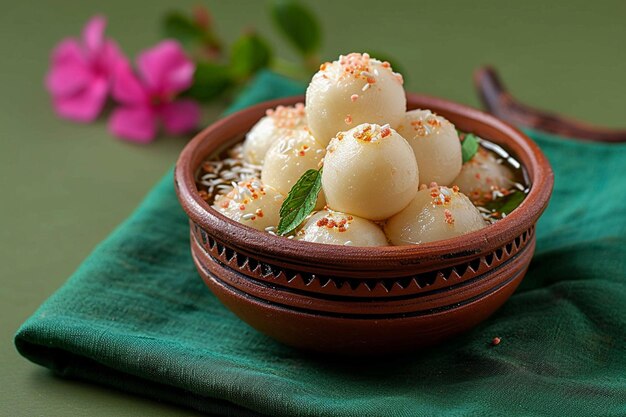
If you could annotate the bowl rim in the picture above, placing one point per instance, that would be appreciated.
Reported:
(277, 247)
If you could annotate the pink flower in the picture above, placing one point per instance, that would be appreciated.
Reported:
(80, 74)
(147, 100)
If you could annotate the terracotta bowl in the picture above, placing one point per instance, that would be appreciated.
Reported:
(356, 300)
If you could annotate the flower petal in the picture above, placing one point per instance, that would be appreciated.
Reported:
(67, 78)
(93, 33)
(112, 57)
(86, 104)
(181, 116)
(127, 88)
(165, 68)
(138, 124)
(68, 51)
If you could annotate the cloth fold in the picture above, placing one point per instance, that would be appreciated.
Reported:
(136, 316)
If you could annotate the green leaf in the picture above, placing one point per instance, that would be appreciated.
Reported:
(182, 28)
(507, 203)
(300, 201)
(469, 147)
(298, 24)
(209, 81)
(249, 54)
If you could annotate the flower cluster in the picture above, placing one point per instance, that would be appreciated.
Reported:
(85, 72)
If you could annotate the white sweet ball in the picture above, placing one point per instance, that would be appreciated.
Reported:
(289, 158)
(482, 175)
(435, 213)
(369, 171)
(334, 228)
(277, 122)
(352, 90)
(436, 145)
(251, 203)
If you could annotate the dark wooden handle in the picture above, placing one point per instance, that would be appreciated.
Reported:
(498, 101)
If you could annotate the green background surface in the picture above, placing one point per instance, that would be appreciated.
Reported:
(65, 186)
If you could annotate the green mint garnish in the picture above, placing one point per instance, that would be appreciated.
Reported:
(507, 203)
(300, 201)
(469, 147)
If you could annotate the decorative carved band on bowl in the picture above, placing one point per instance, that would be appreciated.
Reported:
(372, 287)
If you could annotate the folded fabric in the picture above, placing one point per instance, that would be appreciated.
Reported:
(136, 316)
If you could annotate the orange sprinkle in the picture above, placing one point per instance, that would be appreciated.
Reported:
(448, 216)
(419, 128)
(348, 120)
(322, 222)
(354, 64)
(288, 117)
(364, 134)
(439, 198)
(242, 207)
(434, 122)
(259, 212)
(330, 223)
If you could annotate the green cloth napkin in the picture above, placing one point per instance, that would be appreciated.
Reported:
(136, 316)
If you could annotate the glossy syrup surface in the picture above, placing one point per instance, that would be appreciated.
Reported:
(219, 173)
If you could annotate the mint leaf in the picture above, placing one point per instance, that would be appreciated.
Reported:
(300, 201)
(507, 203)
(469, 147)
(298, 24)
(249, 54)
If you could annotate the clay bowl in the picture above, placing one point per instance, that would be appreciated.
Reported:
(354, 300)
